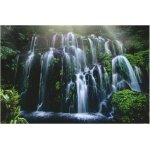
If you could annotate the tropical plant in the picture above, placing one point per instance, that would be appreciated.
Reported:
(130, 107)
(9, 106)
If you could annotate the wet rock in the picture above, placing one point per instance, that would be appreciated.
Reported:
(58, 53)
(71, 109)
(42, 44)
(74, 78)
(109, 97)
(105, 108)
(123, 85)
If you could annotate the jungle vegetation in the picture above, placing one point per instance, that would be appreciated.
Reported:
(131, 106)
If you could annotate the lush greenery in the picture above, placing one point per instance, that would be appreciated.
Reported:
(105, 60)
(135, 38)
(140, 59)
(10, 110)
(130, 107)
(6, 52)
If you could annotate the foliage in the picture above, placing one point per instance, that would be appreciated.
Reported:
(9, 103)
(16, 118)
(6, 52)
(130, 107)
(142, 58)
(72, 91)
(71, 68)
(131, 58)
(61, 72)
(5, 86)
(77, 36)
(55, 60)
(139, 59)
(105, 59)
(57, 85)
(136, 43)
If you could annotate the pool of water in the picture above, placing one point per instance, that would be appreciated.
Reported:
(52, 117)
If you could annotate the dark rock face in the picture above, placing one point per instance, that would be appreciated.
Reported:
(106, 108)
(93, 101)
(109, 97)
(58, 53)
(30, 96)
(42, 44)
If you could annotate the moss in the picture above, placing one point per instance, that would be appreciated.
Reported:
(72, 91)
(139, 59)
(142, 59)
(131, 107)
(61, 72)
(105, 59)
(57, 85)
(131, 59)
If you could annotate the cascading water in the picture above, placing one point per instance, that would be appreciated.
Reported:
(82, 93)
(121, 49)
(92, 48)
(138, 73)
(107, 48)
(46, 61)
(67, 82)
(28, 62)
(121, 66)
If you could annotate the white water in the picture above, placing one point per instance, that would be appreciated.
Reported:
(98, 80)
(28, 62)
(122, 50)
(107, 48)
(54, 40)
(82, 93)
(92, 48)
(138, 73)
(46, 60)
(71, 41)
(123, 62)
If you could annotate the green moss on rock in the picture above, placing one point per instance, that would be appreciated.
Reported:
(131, 58)
(105, 59)
(140, 58)
(130, 107)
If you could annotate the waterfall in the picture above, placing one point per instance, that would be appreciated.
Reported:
(67, 83)
(107, 48)
(121, 49)
(122, 67)
(71, 41)
(93, 52)
(29, 60)
(46, 62)
(82, 93)
(54, 40)
(138, 73)
(62, 42)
